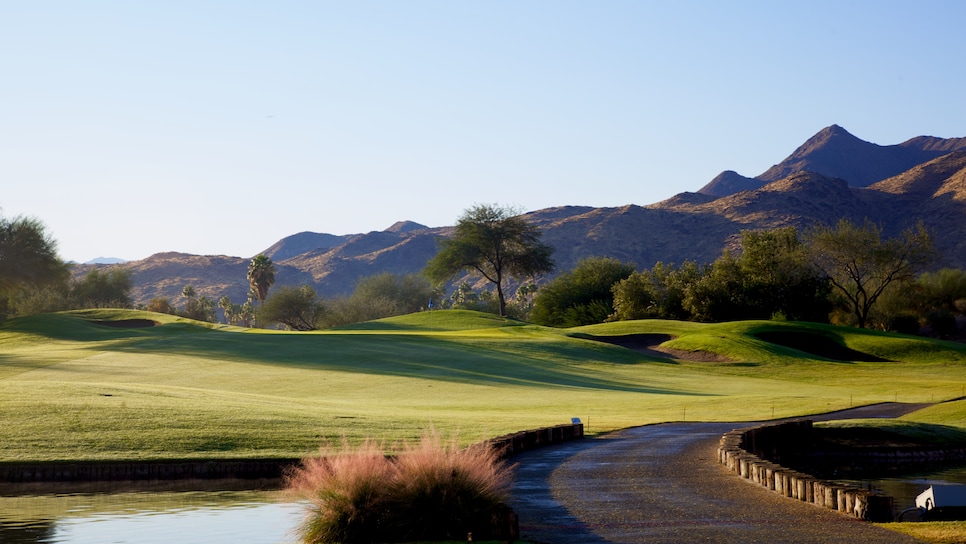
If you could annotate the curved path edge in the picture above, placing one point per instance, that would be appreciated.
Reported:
(663, 484)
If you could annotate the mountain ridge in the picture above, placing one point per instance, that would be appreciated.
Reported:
(835, 152)
(693, 226)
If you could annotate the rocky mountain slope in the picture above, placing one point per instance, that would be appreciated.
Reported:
(835, 153)
(833, 175)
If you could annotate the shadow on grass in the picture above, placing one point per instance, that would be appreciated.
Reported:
(527, 362)
(817, 344)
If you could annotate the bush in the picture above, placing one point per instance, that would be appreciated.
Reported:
(903, 323)
(582, 296)
(429, 491)
(297, 308)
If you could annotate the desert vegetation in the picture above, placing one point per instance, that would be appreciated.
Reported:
(429, 490)
(495, 243)
(847, 275)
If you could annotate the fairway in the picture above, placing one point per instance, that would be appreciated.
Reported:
(75, 389)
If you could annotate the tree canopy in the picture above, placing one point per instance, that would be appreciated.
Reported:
(298, 308)
(97, 289)
(28, 255)
(861, 265)
(494, 243)
(582, 296)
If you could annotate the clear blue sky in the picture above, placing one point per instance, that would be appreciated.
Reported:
(134, 127)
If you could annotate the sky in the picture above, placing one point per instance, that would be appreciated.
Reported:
(219, 127)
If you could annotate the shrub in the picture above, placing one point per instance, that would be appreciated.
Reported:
(903, 323)
(442, 492)
(346, 495)
(430, 490)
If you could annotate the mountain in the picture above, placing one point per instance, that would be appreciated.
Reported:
(834, 152)
(106, 260)
(300, 243)
(689, 226)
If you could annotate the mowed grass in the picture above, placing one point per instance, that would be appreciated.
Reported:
(71, 389)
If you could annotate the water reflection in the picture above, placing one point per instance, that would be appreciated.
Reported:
(905, 488)
(75, 515)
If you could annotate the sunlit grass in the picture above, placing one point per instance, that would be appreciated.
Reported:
(938, 532)
(70, 389)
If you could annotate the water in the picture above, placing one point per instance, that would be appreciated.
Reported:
(196, 513)
(153, 516)
(906, 488)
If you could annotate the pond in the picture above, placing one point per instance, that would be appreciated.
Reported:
(228, 514)
(905, 488)
(223, 512)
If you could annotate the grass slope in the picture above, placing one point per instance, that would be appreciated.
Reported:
(74, 389)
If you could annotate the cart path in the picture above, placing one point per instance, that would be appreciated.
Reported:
(663, 484)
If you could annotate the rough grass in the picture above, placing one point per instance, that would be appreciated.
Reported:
(74, 390)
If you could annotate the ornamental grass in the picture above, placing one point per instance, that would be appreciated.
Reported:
(430, 490)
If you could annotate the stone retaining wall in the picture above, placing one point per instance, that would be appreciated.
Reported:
(105, 471)
(520, 442)
(735, 450)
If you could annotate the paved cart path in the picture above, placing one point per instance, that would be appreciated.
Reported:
(663, 484)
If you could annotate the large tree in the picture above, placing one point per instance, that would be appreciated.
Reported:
(261, 276)
(779, 278)
(861, 265)
(495, 243)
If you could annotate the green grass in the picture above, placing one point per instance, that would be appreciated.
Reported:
(70, 389)
(938, 532)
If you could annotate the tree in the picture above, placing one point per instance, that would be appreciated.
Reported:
(493, 243)
(582, 296)
(861, 265)
(261, 276)
(719, 293)
(298, 308)
(658, 293)
(395, 294)
(102, 289)
(28, 257)
(201, 309)
(779, 278)
(246, 314)
(941, 290)
(161, 305)
(188, 292)
(229, 309)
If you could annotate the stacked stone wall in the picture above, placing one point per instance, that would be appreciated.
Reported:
(735, 452)
(106, 471)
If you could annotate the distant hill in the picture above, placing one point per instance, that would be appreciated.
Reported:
(300, 243)
(812, 186)
(106, 260)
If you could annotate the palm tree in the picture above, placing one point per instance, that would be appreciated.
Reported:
(226, 306)
(261, 276)
(189, 293)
